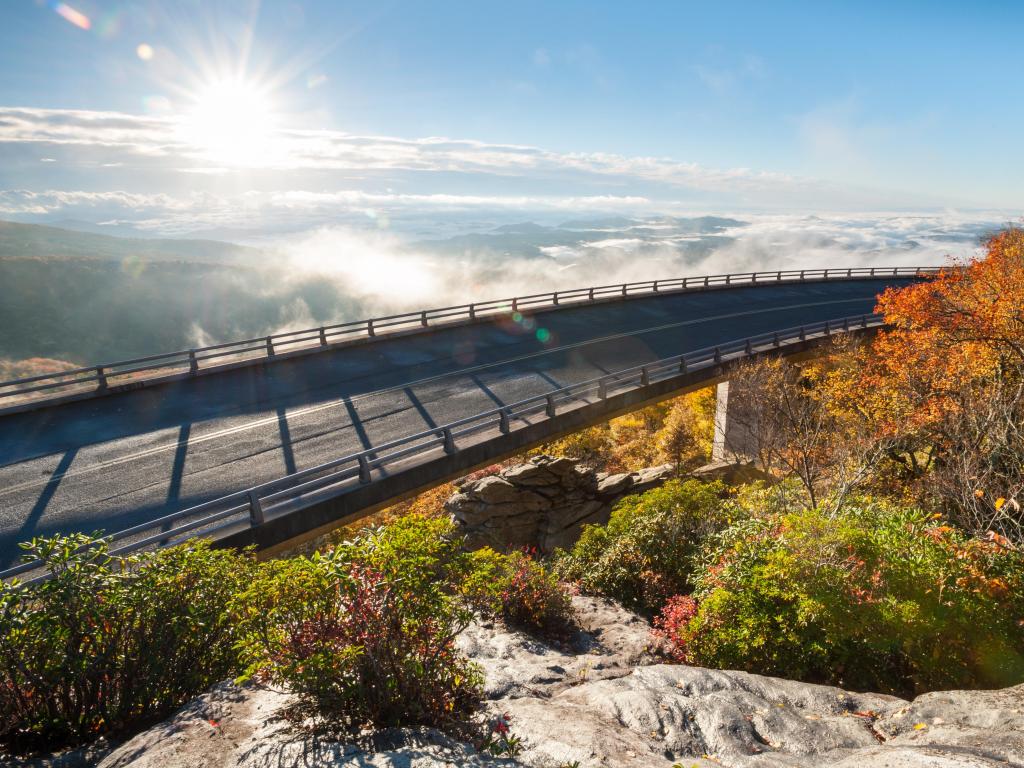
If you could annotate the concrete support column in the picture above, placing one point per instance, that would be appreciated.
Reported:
(733, 441)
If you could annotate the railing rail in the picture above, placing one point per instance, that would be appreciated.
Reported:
(252, 506)
(192, 361)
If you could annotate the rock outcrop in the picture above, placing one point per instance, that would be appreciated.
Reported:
(605, 701)
(544, 503)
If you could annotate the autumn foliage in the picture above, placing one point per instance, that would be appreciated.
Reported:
(877, 597)
(941, 390)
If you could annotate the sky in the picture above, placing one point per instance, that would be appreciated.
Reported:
(241, 118)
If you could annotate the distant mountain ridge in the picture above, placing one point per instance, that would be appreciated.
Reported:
(38, 241)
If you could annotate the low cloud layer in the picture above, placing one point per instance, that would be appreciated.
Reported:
(386, 273)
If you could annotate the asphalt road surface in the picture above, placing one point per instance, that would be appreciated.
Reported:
(116, 461)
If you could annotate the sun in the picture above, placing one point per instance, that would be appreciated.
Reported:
(231, 122)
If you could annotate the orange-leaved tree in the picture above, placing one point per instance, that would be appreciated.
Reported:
(943, 386)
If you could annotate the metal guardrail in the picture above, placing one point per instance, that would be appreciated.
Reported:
(251, 507)
(266, 347)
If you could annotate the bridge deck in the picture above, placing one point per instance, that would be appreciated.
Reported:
(117, 461)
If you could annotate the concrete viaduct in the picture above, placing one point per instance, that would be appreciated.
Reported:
(269, 441)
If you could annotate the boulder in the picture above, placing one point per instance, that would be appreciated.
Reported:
(614, 483)
(543, 503)
(495, 489)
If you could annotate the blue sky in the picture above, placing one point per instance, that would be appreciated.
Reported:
(810, 106)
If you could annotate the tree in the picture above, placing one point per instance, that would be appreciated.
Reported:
(943, 387)
(677, 440)
(794, 433)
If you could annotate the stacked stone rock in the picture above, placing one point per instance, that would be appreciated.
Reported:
(544, 503)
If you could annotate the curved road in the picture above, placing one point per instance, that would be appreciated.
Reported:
(115, 461)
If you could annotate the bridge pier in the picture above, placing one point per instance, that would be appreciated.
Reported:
(733, 441)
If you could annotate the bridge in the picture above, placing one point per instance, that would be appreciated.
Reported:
(269, 441)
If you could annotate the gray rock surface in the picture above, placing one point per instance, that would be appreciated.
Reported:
(604, 700)
(544, 503)
(243, 728)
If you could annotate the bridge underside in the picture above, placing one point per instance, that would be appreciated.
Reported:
(122, 460)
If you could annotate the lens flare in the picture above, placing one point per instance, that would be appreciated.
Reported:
(144, 51)
(71, 15)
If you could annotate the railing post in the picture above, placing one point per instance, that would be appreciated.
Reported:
(776, 341)
(270, 346)
(472, 312)
(896, 272)
(255, 509)
(624, 288)
(645, 377)
(449, 441)
(826, 274)
(193, 364)
(801, 275)
(369, 328)
(728, 279)
(849, 272)
(686, 280)
(423, 318)
(682, 364)
(828, 328)
(515, 304)
(323, 336)
(718, 355)
(591, 294)
(803, 334)
(602, 389)
(706, 279)
(364, 470)
(846, 323)
(101, 377)
(749, 348)
(554, 298)
(778, 276)
(503, 424)
(655, 286)
(549, 409)
(753, 278)
(864, 321)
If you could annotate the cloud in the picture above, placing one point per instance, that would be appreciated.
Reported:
(310, 178)
(379, 273)
(160, 143)
(393, 274)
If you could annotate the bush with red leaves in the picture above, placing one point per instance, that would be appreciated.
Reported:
(671, 625)
(521, 591)
(365, 636)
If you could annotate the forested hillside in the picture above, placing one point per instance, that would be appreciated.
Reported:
(85, 298)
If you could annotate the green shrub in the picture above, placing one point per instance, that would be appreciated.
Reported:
(644, 554)
(521, 591)
(365, 635)
(876, 597)
(112, 644)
